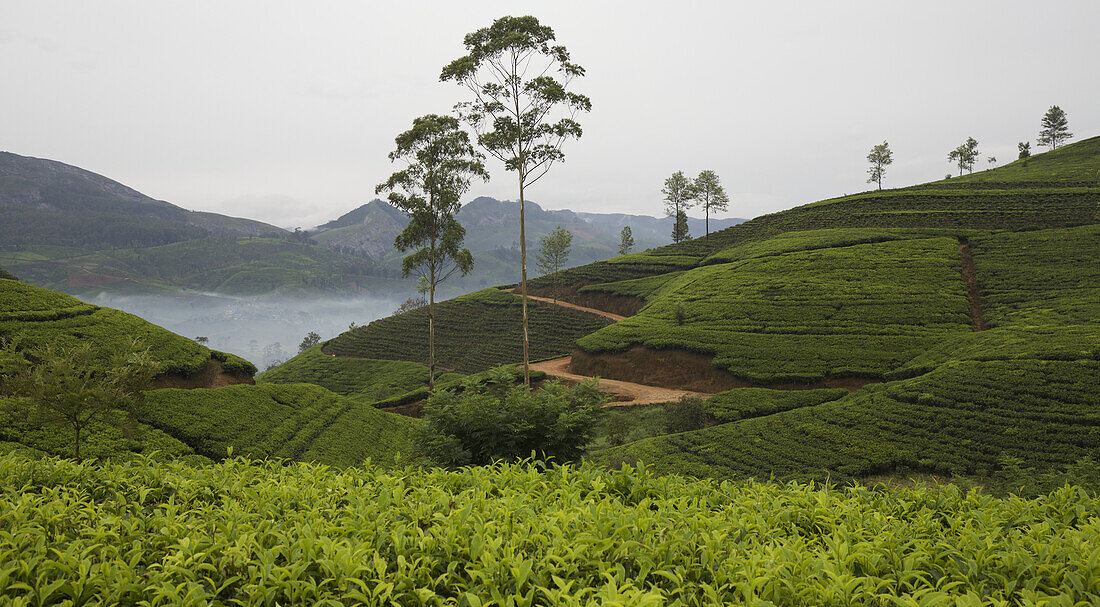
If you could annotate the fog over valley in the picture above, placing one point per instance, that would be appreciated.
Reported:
(264, 330)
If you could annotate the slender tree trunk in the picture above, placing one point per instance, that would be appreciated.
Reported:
(706, 209)
(77, 428)
(523, 285)
(431, 333)
(522, 226)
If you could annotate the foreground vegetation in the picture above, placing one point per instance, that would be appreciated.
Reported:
(244, 533)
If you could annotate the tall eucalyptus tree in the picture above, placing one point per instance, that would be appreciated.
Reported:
(521, 110)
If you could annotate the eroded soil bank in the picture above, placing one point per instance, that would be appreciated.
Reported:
(684, 370)
(212, 375)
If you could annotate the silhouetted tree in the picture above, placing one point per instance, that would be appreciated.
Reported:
(1025, 149)
(679, 192)
(965, 155)
(626, 241)
(1055, 128)
(522, 110)
(711, 195)
(311, 339)
(880, 157)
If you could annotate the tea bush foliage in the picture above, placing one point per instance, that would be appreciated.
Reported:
(154, 533)
(290, 421)
(31, 315)
(493, 418)
(743, 403)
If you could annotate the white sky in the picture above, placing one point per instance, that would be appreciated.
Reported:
(285, 112)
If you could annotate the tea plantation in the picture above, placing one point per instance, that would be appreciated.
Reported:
(295, 421)
(144, 532)
(473, 333)
(1055, 189)
(806, 315)
(364, 379)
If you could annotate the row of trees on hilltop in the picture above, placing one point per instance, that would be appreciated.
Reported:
(1054, 132)
(682, 193)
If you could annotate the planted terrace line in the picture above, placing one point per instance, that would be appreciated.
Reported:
(565, 304)
(626, 393)
(970, 278)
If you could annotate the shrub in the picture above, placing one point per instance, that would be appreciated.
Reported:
(685, 415)
(494, 419)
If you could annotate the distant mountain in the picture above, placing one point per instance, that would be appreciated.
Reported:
(44, 202)
(492, 234)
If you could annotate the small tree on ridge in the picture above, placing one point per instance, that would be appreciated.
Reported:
(710, 194)
(1055, 128)
(965, 155)
(679, 192)
(626, 241)
(880, 157)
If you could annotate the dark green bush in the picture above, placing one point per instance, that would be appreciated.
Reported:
(494, 419)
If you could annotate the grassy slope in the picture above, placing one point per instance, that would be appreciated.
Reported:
(364, 379)
(473, 333)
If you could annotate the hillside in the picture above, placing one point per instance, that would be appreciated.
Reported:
(245, 266)
(490, 317)
(196, 413)
(946, 328)
(51, 203)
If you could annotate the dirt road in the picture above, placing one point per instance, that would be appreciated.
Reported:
(624, 393)
(566, 304)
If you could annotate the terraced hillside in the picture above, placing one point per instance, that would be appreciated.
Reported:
(365, 379)
(297, 421)
(1060, 188)
(474, 332)
(1027, 388)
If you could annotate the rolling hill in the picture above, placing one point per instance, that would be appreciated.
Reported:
(203, 405)
(945, 328)
(45, 202)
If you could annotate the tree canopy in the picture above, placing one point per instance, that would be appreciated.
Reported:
(1055, 128)
(880, 157)
(709, 193)
(965, 155)
(679, 194)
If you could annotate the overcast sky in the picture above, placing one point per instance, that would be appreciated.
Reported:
(285, 112)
